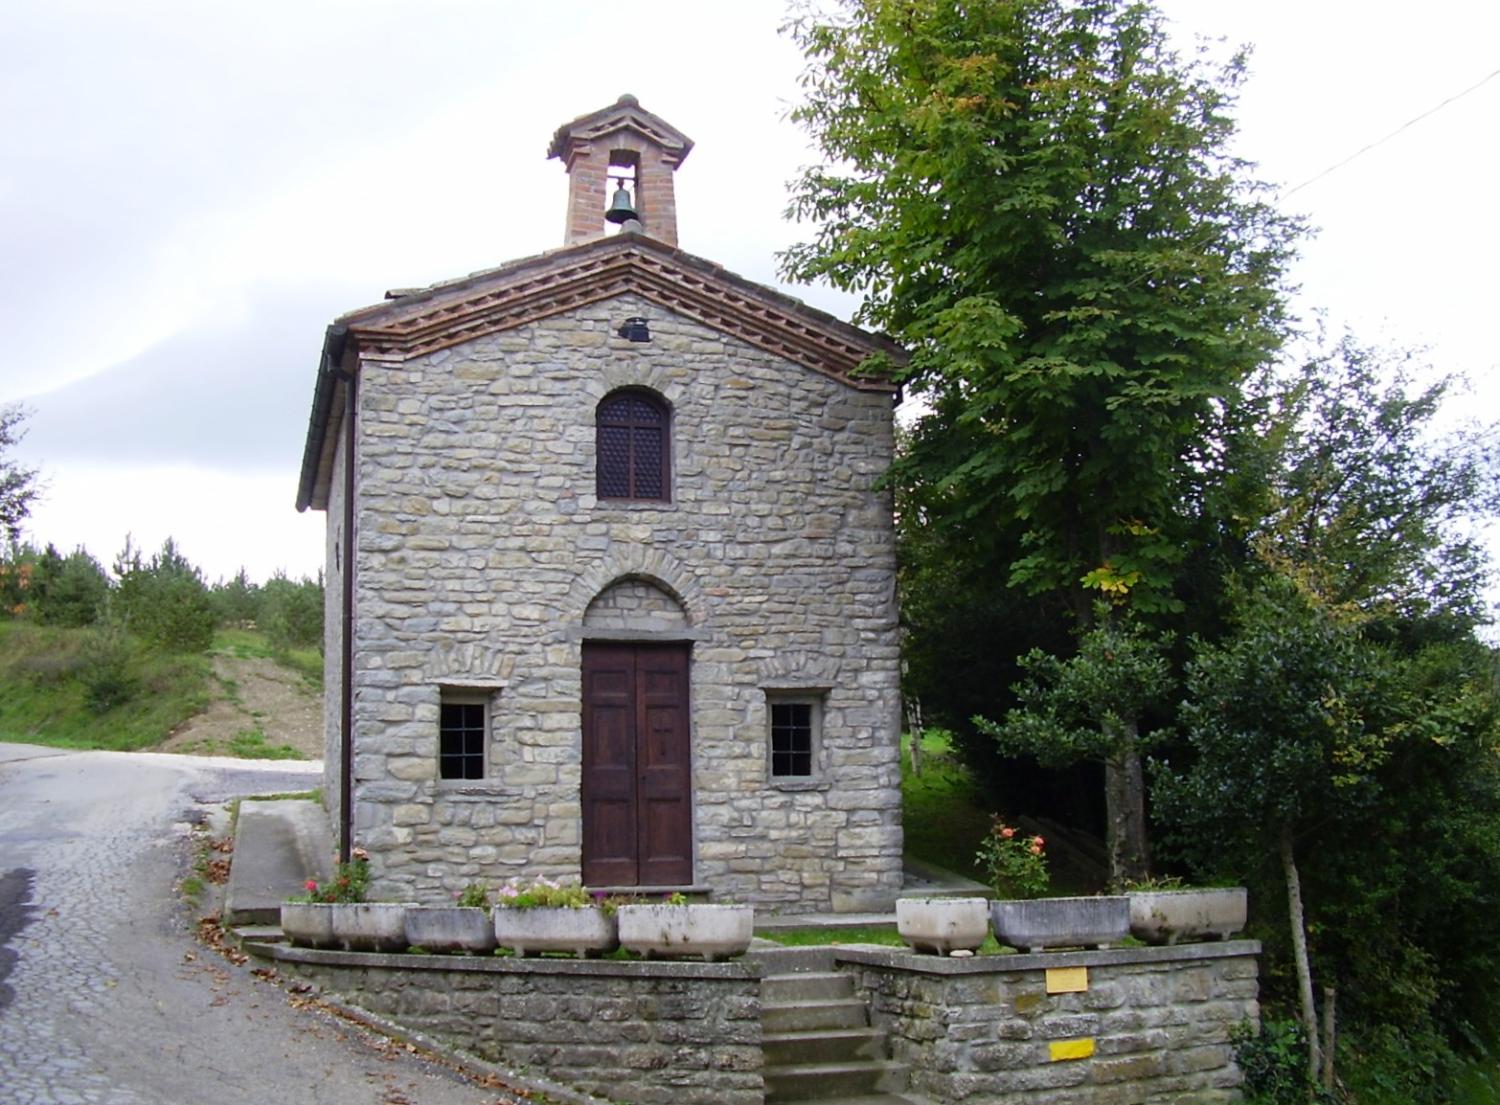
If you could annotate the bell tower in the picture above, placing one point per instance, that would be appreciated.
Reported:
(620, 146)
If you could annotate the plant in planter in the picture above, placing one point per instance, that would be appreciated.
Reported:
(676, 927)
(553, 917)
(335, 913)
(1163, 911)
(1017, 865)
(307, 919)
(465, 926)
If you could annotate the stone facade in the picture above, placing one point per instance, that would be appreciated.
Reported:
(1151, 1027)
(484, 559)
(651, 1033)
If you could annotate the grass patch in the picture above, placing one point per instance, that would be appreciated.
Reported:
(191, 888)
(314, 795)
(941, 808)
(247, 744)
(816, 935)
(306, 662)
(250, 744)
(52, 684)
(243, 644)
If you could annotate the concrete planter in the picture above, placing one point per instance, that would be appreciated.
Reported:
(308, 924)
(668, 931)
(1041, 923)
(943, 925)
(450, 928)
(584, 932)
(370, 926)
(1169, 916)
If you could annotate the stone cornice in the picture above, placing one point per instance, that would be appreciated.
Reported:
(448, 315)
(411, 324)
(624, 114)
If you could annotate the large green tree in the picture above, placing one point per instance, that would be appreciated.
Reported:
(1038, 199)
(18, 484)
(1371, 508)
(1346, 726)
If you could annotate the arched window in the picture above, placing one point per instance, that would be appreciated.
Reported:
(633, 435)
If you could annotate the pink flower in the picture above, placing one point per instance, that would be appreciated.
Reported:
(311, 885)
(1007, 832)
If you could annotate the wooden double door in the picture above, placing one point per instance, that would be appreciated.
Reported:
(637, 778)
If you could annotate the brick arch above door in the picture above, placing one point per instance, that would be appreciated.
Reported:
(634, 603)
(653, 566)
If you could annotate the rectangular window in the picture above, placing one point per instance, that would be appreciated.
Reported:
(793, 731)
(463, 732)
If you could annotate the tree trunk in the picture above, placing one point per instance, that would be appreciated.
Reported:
(914, 728)
(1330, 1036)
(1299, 957)
(1125, 809)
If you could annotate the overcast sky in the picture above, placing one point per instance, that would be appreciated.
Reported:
(191, 191)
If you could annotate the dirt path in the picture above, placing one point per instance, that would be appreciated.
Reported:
(258, 708)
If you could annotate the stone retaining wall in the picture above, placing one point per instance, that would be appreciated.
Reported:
(645, 1032)
(1149, 1027)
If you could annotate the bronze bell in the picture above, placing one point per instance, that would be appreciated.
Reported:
(621, 210)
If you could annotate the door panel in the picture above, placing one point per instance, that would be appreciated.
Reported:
(637, 780)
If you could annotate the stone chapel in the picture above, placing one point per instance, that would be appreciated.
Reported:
(610, 584)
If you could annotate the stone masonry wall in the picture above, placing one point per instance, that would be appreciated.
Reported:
(649, 1033)
(481, 546)
(1152, 1027)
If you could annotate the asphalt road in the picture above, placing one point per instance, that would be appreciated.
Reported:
(106, 997)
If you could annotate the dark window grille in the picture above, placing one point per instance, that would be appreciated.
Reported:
(791, 739)
(461, 733)
(633, 446)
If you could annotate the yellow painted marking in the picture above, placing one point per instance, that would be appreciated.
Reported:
(1067, 980)
(1072, 1049)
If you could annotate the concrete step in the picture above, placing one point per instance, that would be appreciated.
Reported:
(821, 1081)
(773, 959)
(833, 1045)
(812, 1016)
(806, 986)
(278, 846)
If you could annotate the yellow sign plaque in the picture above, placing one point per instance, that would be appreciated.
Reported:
(1067, 980)
(1072, 1049)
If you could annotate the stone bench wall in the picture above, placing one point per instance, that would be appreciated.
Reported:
(648, 1033)
(1152, 1027)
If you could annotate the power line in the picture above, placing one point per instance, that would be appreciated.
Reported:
(1382, 141)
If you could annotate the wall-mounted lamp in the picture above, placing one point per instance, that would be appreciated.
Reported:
(635, 329)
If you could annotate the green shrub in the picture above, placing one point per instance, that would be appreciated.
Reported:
(105, 669)
(164, 601)
(291, 614)
(67, 591)
(1274, 1062)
